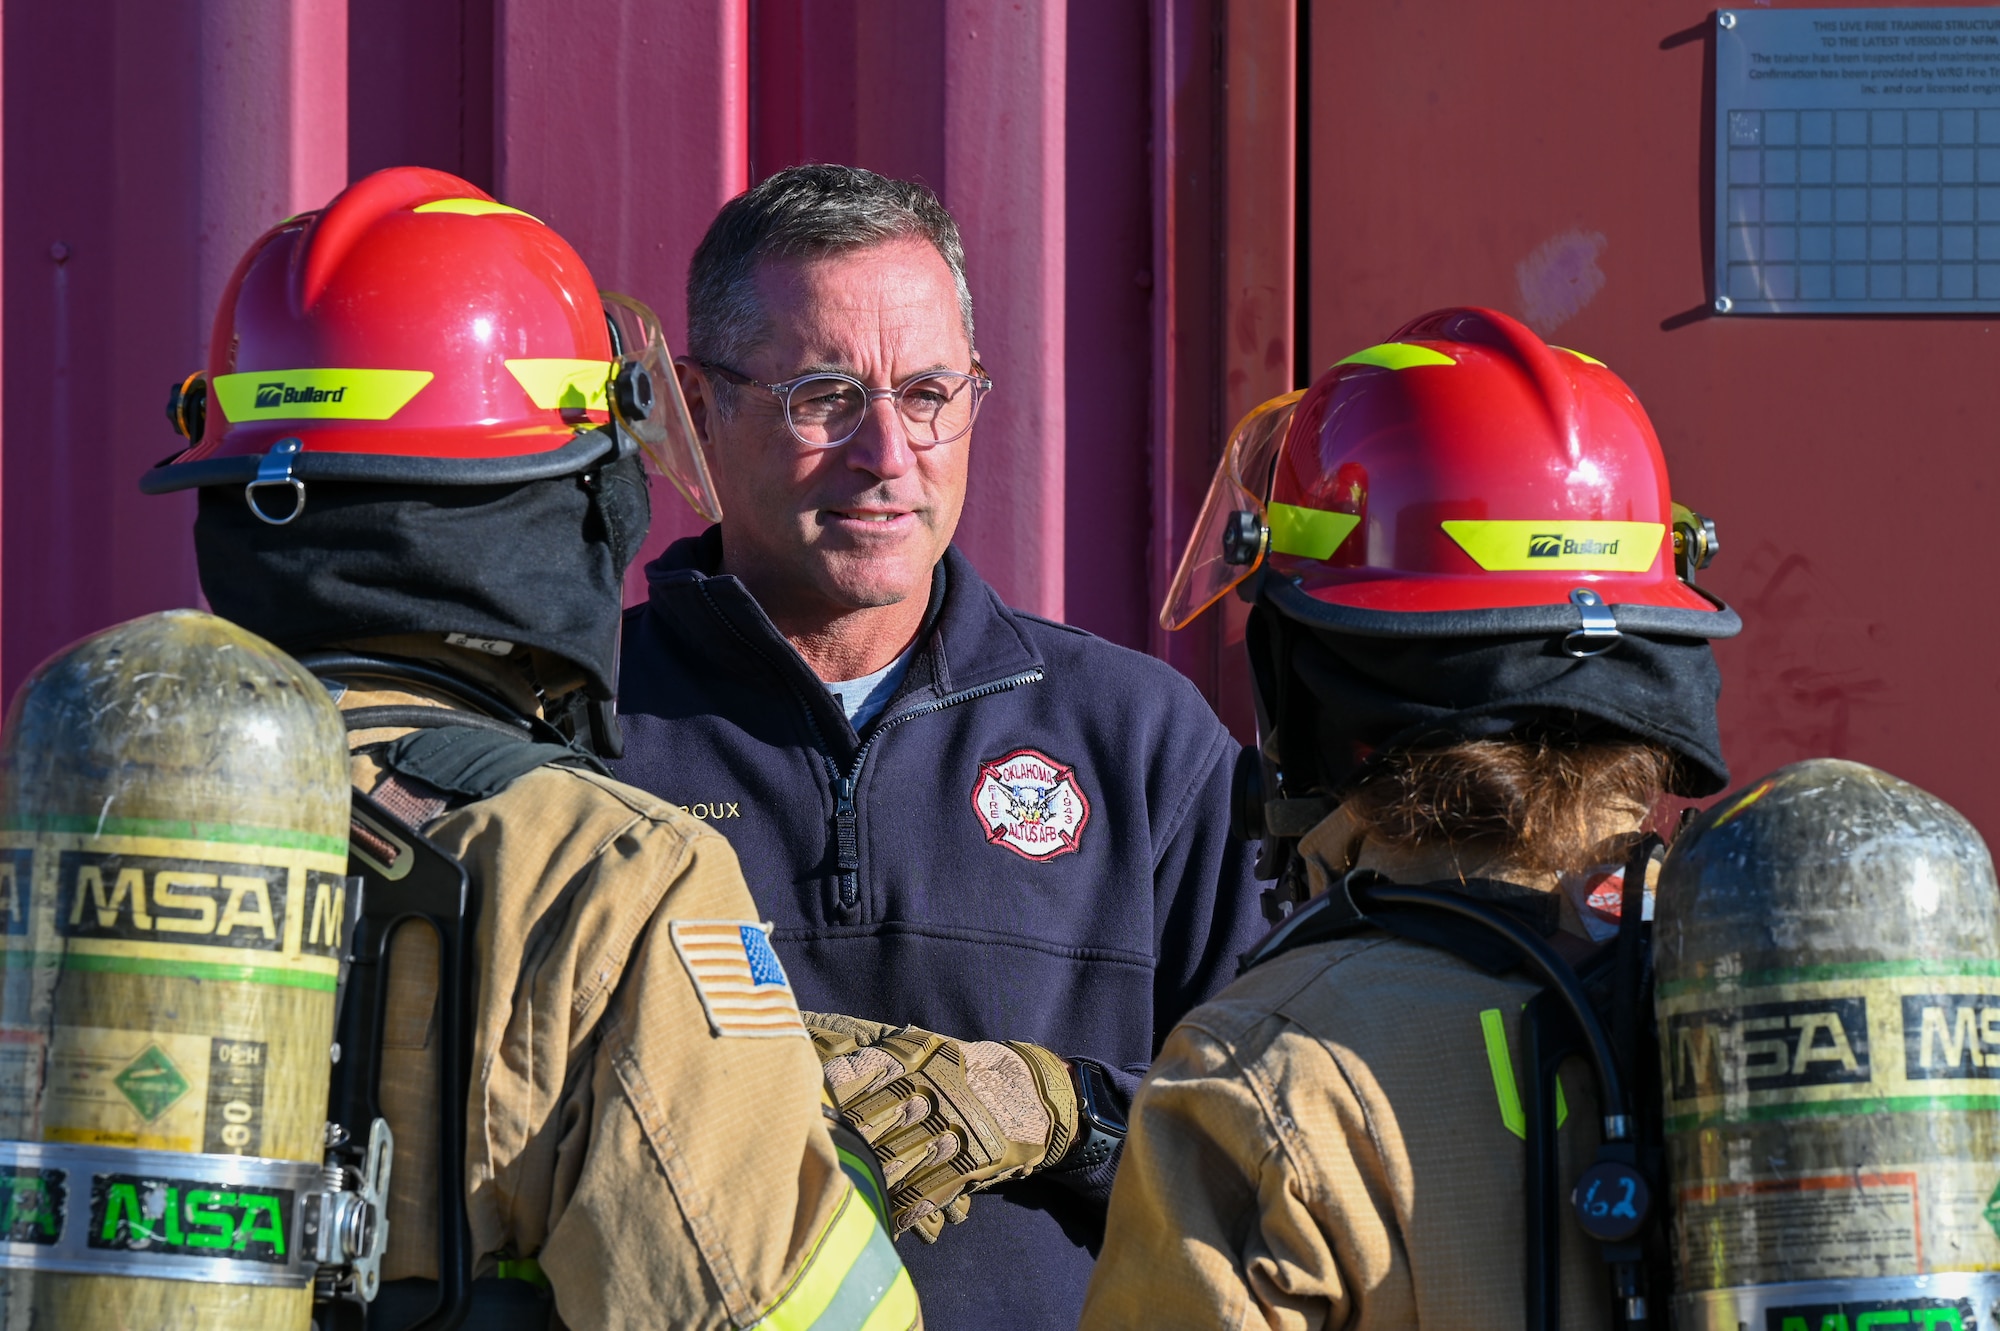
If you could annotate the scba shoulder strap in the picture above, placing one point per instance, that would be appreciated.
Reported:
(454, 753)
(475, 763)
(476, 708)
(1339, 912)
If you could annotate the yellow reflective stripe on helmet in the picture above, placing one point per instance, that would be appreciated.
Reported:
(1396, 356)
(1494, 1026)
(1579, 355)
(1313, 532)
(282, 395)
(1514, 547)
(555, 382)
(851, 1280)
(471, 208)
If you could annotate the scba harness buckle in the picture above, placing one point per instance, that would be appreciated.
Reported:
(348, 1220)
(217, 1219)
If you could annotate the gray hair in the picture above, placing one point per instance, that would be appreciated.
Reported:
(801, 212)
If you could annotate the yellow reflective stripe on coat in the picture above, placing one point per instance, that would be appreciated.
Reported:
(1494, 1026)
(852, 1280)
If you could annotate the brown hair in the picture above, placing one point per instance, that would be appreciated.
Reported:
(809, 210)
(1529, 798)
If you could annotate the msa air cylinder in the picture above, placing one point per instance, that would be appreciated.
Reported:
(173, 858)
(1829, 1019)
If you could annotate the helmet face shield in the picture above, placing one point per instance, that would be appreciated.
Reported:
(1223, 550)
(646, 399)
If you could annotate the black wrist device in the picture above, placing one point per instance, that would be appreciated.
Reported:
(1100, 1125)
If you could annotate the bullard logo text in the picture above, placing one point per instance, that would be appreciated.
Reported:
(282, 395)
(1548, 546)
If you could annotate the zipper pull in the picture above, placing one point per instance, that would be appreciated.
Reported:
(847, 848)
(846, 841)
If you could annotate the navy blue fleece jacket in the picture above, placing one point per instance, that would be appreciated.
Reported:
(1030, 842)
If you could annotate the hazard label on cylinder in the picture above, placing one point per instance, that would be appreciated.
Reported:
(155, 1090)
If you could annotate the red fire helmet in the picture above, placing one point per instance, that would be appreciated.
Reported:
(416, 331)
(1463, 478)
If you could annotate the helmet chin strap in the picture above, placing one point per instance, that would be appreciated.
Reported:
(274, 472)
(1599, 633)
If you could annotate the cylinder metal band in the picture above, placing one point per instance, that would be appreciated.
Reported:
(1949, 1301)
(164, 1215)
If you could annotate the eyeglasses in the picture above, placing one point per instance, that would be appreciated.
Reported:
(826, 410)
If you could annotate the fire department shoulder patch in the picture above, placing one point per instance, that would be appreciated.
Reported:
(1031, 804)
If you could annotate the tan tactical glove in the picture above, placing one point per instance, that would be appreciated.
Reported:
(945, 1117)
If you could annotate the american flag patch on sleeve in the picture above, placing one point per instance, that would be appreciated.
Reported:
(742, 987)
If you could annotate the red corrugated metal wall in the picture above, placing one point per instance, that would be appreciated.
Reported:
(1472, 153)
(149, 144)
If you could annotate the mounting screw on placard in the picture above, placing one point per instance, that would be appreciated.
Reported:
(1725, 19)
(1724, 305)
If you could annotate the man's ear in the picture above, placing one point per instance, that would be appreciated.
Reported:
(694, 389)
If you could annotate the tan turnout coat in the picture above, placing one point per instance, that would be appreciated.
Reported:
(1326, 1144)
(660, 1175)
